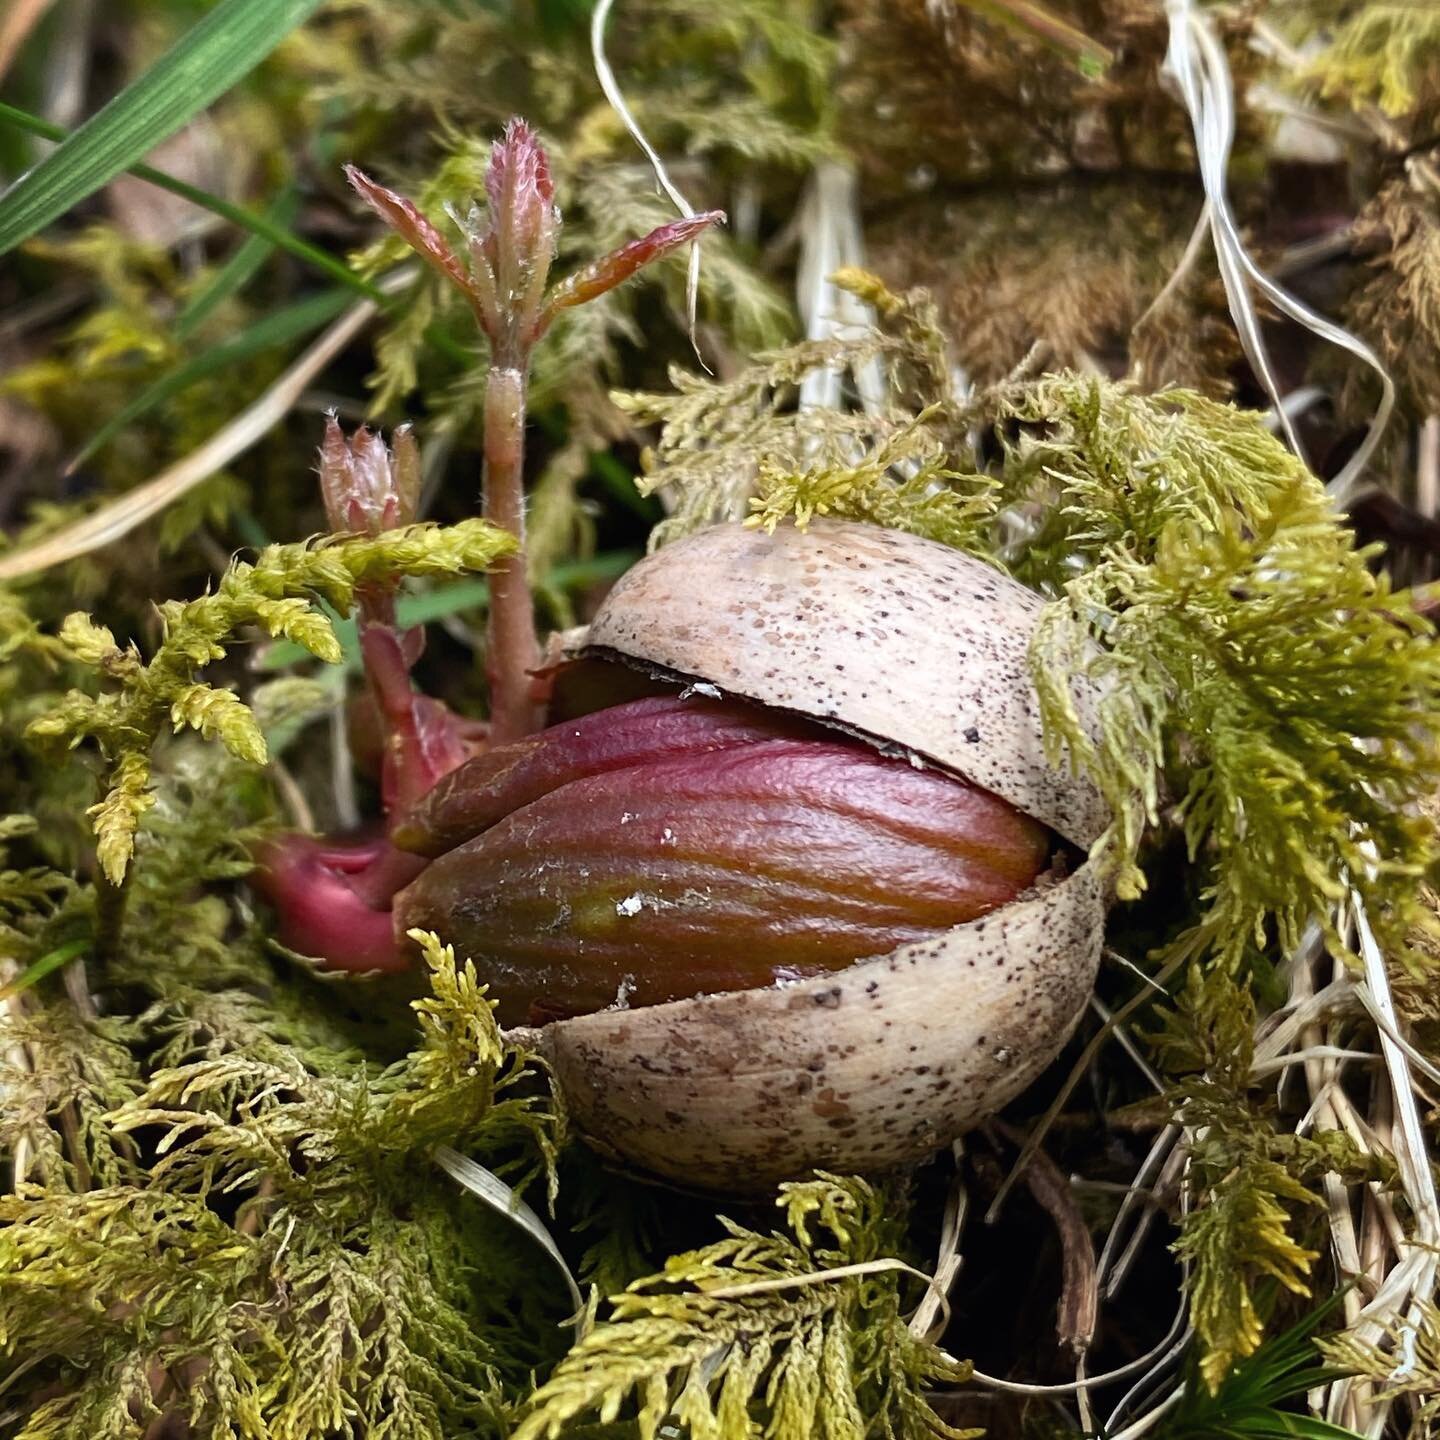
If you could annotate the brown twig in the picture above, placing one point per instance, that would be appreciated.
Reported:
(1079, 1287)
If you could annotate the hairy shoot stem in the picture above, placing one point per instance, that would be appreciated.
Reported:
(513, 650)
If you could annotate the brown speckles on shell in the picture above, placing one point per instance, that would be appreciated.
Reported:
(914, 643)
(734, 1092)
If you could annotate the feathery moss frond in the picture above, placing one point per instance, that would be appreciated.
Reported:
(722, 440)
(1254, 1182)
(272, 1250)
(117, 816)
(1253, 667)
(754, 1332)
(1407, 1362)
(1375, 52)
(63, 1076)
(28, 894)
(932, 500)
(277, 593)
(1396, 303)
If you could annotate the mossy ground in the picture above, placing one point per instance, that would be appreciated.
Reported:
(223, 1213)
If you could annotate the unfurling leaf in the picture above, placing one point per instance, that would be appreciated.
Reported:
(599, 276)
(405, 218)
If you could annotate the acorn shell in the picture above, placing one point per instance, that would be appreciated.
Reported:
(914, 646)
(900, 639)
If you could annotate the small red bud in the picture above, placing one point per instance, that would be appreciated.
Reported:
(520, 190)
(368, 489)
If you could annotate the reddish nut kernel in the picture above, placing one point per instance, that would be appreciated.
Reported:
(670, 848)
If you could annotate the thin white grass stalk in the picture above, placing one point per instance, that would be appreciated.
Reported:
(1294, 405)
(18, 1056)
(1036, 1138)
(1171, 1345)
(822, 245)
(1171, 1171)
(1397, 1310)
(1141, 1188)
(1151, 1418)
(67, 65)
(1387, 1027)
(1320, 1082)
(292, 797)
(342, 771)
(1122, 1035)
(928, 1321)
(1165, 1361)
(830, 239)
(1150, 1365)
(1197, 61)
(1189, 258)
(1390, 1224)
(1427, 467)
(613, 93)
(1344, 1241)
(1378, 1239)
(1143, 976)
(487, 1186)
(1312, 1052)
(77, 987)
(1276, 1037)
(1082, 1395)
(1307, 254)
(815, 1277)
(1414, 1155)
(1276, 102)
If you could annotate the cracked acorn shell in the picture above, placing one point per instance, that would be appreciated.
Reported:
(917, 647)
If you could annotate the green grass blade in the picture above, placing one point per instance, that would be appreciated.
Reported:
(201, 66)
(238, 215)
(237, 272)
(277, 328)
(1247, 1405)
(36, 971)
(256, 224)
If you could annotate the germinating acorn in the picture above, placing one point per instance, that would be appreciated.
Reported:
(825, 917)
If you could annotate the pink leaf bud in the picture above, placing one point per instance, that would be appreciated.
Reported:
(368, 489)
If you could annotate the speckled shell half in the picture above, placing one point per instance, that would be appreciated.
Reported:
(888, 634)
(876, 1066)
(911, 643)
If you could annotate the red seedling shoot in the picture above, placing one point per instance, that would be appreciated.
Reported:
(334, 896)
(505, 283)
